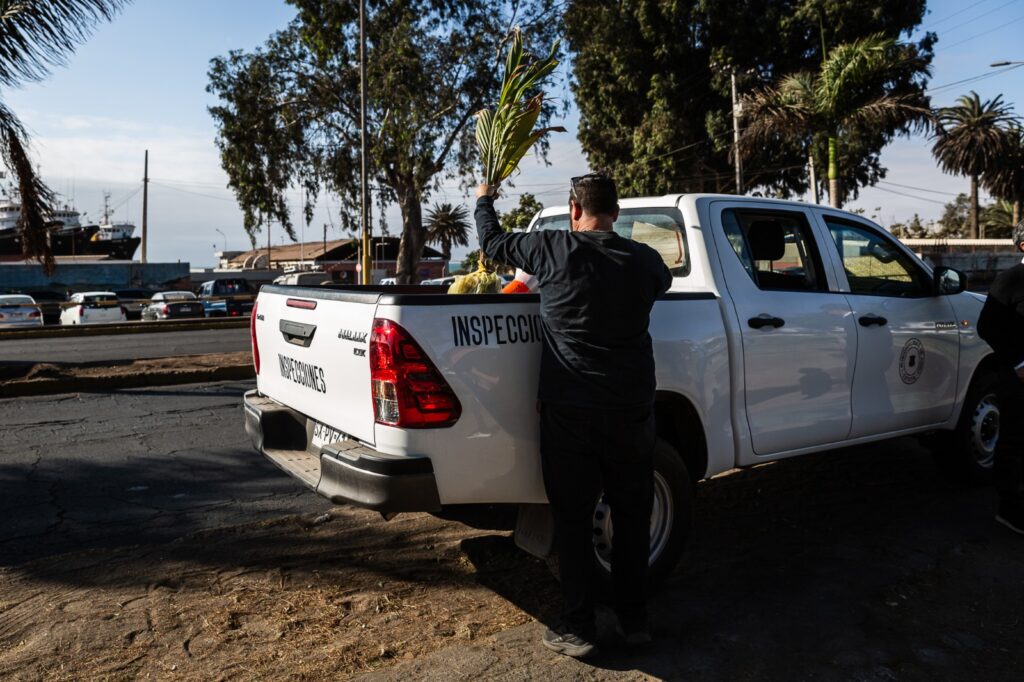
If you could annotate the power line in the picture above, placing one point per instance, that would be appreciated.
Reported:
(985, 33)
(919, 189)
(982, 15)
(903, 194)
(972, 79)
(956, 14)
(186, 191)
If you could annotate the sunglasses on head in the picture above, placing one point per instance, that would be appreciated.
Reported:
(573, 182)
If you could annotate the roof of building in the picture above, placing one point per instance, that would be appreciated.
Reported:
(337, 249)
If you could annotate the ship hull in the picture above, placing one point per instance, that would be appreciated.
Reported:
(74, 242)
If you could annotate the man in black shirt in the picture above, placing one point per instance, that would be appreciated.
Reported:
(1002, 325)
(596, 395)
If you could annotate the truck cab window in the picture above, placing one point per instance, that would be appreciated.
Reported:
(874, 265)
(776, 249)
(660, 229)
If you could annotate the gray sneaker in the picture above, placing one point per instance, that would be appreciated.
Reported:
(568, 644)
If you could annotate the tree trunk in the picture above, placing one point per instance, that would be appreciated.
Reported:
(975, 232)
(833, 172)
(1016, 211)
(814, 177)
(414, 235)
(446, 250)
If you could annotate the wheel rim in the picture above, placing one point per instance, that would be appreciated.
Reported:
(985, 431)
(662, 513)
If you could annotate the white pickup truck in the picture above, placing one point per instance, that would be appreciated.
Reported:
(789, 329)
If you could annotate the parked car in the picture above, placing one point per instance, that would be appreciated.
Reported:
(19, 310)
(231, 297)
(134, 300)
(93, 306)
(788, 329)
(50, 302)
(173, 305)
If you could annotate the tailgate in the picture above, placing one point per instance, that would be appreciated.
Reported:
(313, 356)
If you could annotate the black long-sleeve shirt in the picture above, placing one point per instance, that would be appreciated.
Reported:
(596, 294)
(1002, 319)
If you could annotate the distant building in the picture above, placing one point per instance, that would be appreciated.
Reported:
(338, 257)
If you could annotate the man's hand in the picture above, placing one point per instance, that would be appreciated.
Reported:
(485, 190)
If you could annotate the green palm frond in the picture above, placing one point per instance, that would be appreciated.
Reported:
(505, 134)
(971, 135)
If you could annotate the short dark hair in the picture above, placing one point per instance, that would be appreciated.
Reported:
(1018, 234)
(595, 193)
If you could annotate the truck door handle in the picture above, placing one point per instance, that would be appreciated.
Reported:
(762, 321)
(869, 320)
(297, 333)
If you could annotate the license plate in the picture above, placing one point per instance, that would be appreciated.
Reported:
(324, 434)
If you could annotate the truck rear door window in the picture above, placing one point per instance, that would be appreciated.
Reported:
(660, 229)
(776, 249)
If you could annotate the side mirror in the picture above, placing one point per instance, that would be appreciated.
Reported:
(949, 281)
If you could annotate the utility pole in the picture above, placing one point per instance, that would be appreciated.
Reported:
(268, 242)
(736, 137)
(365, 279)
(145, 206)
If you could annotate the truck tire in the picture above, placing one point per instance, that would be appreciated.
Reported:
(671, 521)
(966, 455)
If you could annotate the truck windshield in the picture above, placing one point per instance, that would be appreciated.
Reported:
(660, 229)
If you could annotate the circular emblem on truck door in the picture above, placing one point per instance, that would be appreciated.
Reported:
(912, 361)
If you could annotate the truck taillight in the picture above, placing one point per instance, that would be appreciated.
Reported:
(407, 389)
(167, 310)
(255, 344)
(35, 313)
(81, 310)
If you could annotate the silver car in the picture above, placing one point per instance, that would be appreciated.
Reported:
(173, 305)
(19, 310)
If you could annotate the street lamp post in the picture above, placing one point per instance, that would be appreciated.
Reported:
(996, 65)
(225, 237)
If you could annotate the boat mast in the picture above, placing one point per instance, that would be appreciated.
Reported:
(145, 204)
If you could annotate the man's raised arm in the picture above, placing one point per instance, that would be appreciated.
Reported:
(518, 249)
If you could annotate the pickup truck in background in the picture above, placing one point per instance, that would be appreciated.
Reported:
(231, 297)
(789, 329)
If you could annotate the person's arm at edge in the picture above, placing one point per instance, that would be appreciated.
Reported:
(514, 248)
(994, 323)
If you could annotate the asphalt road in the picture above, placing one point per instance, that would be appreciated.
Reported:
(132, 467)
(124, 346)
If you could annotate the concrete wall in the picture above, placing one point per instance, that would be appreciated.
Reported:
(95, 275)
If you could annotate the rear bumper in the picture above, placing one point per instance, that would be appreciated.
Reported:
(344, 472)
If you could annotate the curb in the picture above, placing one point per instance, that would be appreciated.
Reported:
(17, 389)
(125, 328)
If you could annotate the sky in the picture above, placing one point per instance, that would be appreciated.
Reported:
(140, 83)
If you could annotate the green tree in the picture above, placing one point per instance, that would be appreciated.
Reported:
(956, 216)
(970, 140)
(1006, 179)
(289, 111)
(998, 219)
(519, 218)
(912, 229)
(470, 262)
(652, 82)
(35, 37)
(858, 87)
(448, 226)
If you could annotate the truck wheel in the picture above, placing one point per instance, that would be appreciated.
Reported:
(671, 519)
(966, 455)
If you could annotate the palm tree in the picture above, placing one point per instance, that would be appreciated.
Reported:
(970, 140)
(448, 226)
(1006, 179)
(863, 84)
(34, 38)
(998, 220)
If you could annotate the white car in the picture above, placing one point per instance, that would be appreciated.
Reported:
(788, 329)
(18, 310)
(90, 307)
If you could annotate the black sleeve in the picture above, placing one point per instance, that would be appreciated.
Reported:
(664, 277)
(997, 322)
(519, 249)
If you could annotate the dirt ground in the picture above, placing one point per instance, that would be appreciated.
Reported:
(300, 598)
(107, 368)
(854, 565)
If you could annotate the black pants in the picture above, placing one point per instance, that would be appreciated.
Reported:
(585, 451)
(1008, 470)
